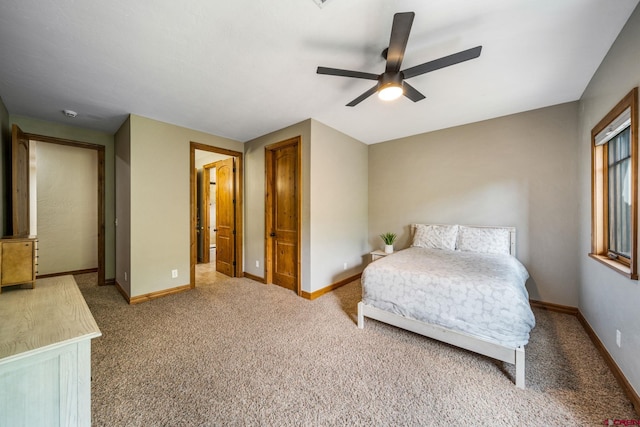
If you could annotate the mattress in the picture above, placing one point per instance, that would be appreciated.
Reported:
(480, 294)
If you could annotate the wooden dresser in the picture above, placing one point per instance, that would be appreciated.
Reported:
(45, 355)
(18, 261)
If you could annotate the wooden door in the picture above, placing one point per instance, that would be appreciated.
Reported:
(205, 213)
(194, 222)
(20, 182)
(225, 216)
(202, 229)
(284, 214)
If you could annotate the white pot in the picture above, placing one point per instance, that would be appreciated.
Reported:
(388, 249)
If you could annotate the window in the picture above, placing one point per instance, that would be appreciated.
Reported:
(614, 188)
(619, 190)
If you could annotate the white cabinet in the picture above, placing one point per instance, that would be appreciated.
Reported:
(45, 355)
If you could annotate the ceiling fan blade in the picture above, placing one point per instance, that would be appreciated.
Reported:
(445, 61)
(362, 97)
(398, 43)
(347, 73)
(411, 92)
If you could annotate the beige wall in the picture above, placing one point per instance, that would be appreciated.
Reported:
(334, 203)
(608, 300)
(67, 211)
(160, 202)
(254, 199)
(5, 191)
(209, 158)
(122, 150)
(339, 203)
(57, 130)
(518, 170)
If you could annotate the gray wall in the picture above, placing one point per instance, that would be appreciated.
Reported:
(518, 170)
(339, 205)
(608, 300)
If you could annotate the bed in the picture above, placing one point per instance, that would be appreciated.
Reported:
(458, 284)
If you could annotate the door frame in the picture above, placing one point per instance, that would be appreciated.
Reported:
(20, 187)
(100, 149)
(238, 270)
(268, 207)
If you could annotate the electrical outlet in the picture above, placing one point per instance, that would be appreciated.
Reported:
(257, 264)
(174, 274)
(618, 338)
(345, 266)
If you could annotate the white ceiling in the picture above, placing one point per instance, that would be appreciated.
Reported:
(243, 68)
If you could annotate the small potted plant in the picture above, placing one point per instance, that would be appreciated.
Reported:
(388, 239)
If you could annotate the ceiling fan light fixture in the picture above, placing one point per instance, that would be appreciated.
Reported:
(391, 83)
(390, 91)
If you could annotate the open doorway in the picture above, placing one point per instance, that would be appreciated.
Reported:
(216, 213)
(68, 180)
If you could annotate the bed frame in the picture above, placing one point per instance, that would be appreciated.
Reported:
(469, 342)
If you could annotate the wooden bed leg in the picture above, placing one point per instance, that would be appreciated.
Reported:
(520, 367)
(360, 316)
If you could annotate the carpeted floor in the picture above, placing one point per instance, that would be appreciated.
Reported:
(236, 352)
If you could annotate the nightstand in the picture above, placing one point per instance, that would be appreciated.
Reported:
(377, 255)
(18, 261)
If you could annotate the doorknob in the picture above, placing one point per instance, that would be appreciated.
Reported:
(272, 234)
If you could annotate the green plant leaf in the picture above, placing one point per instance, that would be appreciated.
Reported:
(388, 238)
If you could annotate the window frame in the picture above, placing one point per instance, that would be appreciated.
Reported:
(599, 190)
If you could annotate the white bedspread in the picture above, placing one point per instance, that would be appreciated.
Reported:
(480, 294)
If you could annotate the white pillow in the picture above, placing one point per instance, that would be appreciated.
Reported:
(435, 236)
(484, 240)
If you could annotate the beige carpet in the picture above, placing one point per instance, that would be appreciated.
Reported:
(236, 352)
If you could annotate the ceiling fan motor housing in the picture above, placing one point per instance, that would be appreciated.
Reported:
(390, 79)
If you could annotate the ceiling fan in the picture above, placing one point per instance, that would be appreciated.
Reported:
(391, 84)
